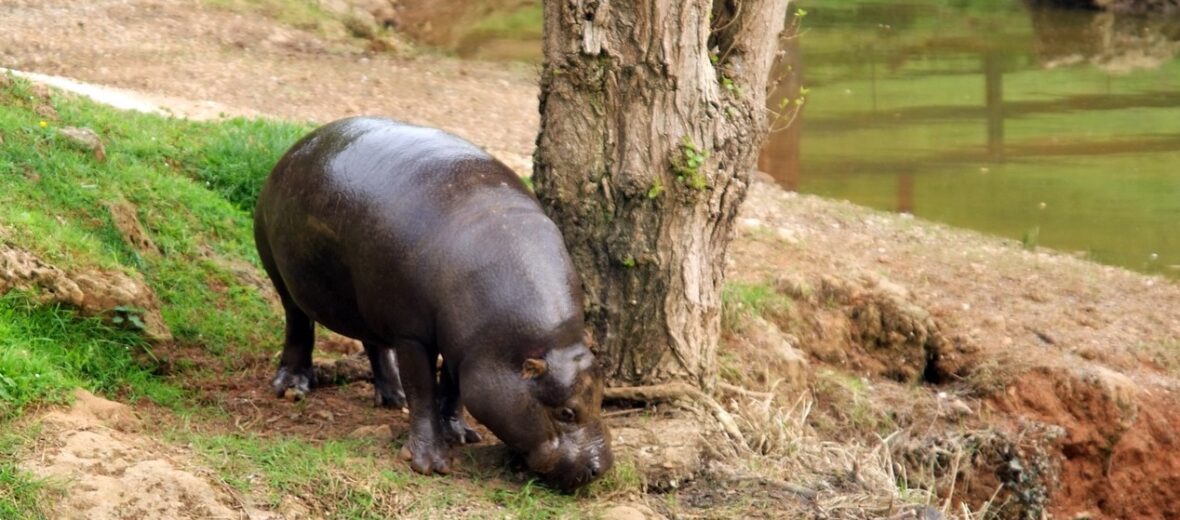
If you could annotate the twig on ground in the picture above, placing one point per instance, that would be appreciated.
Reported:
(619, 413)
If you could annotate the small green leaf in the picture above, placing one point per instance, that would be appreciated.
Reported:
(656, 190)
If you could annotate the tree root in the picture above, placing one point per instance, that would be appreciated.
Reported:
(343, 371)
(734, 389)
(679, 391)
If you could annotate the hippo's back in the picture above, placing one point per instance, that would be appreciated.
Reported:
(366, 217)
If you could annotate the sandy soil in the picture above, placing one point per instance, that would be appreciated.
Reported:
(111, 471)
(248, 64)
(1016, 341)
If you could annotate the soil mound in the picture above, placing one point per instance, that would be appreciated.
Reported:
(111, 472)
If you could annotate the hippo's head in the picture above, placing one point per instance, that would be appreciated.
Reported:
(549, 409)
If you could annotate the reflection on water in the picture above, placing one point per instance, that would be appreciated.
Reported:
(996, 115)
(1019, 121)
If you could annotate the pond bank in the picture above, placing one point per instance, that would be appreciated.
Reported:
(1028, 336)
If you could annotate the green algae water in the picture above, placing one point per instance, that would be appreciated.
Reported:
(1057, 128)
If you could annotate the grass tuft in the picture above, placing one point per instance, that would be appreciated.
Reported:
(741, 301)
(21, 495)
(47, 351)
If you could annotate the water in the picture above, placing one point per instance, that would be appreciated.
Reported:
(1058, 128)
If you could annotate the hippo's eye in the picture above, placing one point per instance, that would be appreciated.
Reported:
(566, 415)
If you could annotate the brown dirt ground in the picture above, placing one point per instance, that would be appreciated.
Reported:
(111, 470)
(1060, 374)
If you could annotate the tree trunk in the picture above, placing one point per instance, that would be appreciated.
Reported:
(652, 114)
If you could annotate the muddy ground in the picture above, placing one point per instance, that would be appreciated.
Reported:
(1028, 380)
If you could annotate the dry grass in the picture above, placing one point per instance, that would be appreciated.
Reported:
(845, 479)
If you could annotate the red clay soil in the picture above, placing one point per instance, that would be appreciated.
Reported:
(1120, 457)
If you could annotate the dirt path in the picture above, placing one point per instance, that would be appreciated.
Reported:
(184, 50)
(1016, 337)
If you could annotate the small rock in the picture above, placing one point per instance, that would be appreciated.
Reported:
(291, 507)
(111, 413)
(788, 236)
(630, 512)
(380, 432)
(126, 220)
(86, 139)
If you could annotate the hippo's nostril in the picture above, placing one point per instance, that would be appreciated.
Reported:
(595, 470)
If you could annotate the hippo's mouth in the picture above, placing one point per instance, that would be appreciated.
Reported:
(568, 476)
(570, 482)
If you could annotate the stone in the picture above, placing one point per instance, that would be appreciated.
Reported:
(381, 432)
(630, 512)
(85, 139)
(667, 452)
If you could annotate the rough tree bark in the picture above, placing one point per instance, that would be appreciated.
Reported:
(652, 114)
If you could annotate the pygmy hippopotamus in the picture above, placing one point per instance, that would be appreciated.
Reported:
(420, 245)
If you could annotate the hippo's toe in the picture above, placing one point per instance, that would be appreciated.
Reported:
(457, 431)
(291, 384)
(425, 458)
(386, 397)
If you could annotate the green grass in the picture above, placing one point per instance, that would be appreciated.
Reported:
(283, 466)
(359, 479)
(533, 502)
(47, 351)
(740, 301)
(521, 22)
(849, 399)
(302, 14)
(21, 495)
(193, 186)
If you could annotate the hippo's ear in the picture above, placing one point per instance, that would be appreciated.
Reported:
(534, 368)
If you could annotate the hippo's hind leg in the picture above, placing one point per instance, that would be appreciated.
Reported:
(295, 372)
(426, 448)
(454, 426)
(387, 382)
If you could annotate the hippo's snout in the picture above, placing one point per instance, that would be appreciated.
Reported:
(574, 459)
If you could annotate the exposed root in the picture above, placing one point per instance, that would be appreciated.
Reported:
(669, 392)
(343, 371)
(734, 389)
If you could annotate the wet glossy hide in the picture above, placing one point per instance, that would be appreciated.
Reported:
(421, 245)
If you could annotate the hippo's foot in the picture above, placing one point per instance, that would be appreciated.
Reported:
(292, 384)
(426, 457)
(384, 396)
(456, 431)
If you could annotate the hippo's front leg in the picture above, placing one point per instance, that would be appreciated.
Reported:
(387, 383)
(454, 425)
(426, 449)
